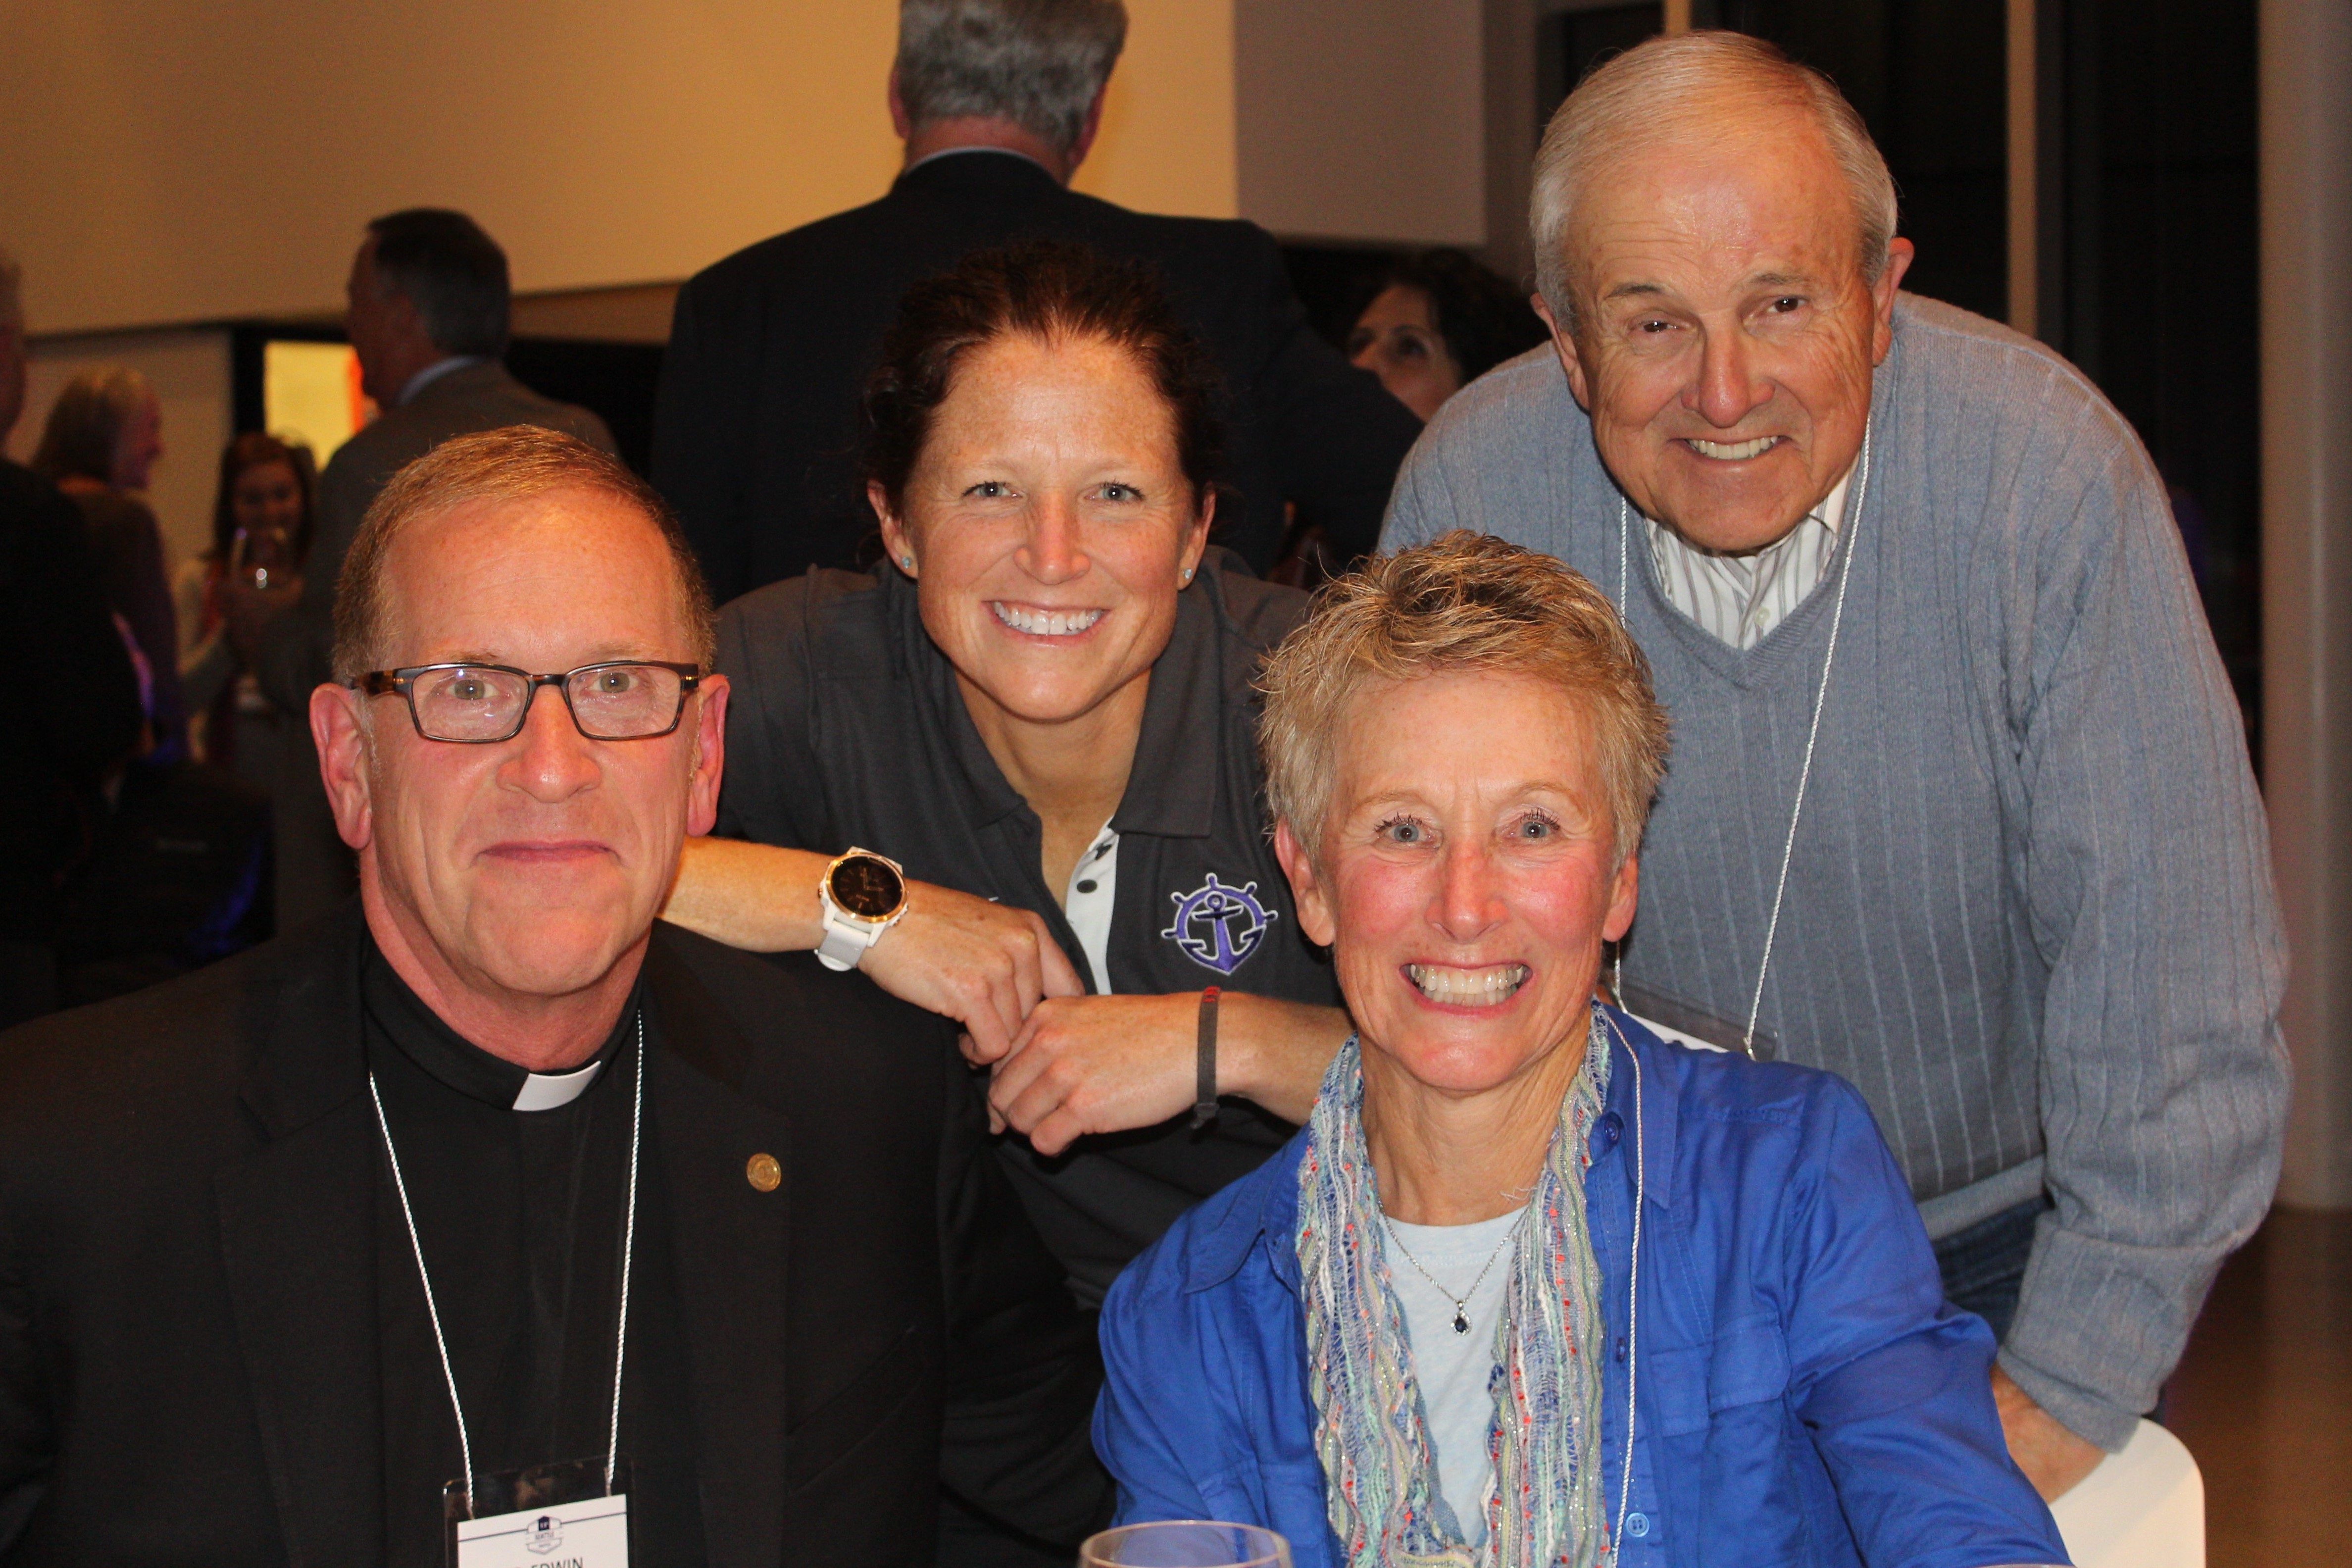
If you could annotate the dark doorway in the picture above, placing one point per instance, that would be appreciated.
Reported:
(1570, 43)
(2146, 180)
(2149, 261)
(616, 380)
(1930, 80)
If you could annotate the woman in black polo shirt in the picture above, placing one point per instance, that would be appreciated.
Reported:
(1041, 711)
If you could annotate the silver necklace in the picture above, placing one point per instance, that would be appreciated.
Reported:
(1812, 732)
(1460, 1302)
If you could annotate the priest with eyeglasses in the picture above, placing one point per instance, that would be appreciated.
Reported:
(490, 1221)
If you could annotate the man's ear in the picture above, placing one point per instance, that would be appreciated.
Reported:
(901, 125)
(336, 727)
(709, 755)
(1087, 130)
(1564, 345)
(1306, 891)
(1899, 252)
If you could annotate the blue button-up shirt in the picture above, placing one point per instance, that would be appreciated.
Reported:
(1804, 1396)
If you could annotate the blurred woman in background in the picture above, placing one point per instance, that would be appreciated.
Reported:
(1439, 322)
(262, 518)
(1436, 322)
(100, 445)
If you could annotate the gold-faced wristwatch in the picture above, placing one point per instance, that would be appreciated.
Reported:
(863, 895)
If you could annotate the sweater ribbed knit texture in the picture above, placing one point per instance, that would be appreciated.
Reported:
(2029, 915)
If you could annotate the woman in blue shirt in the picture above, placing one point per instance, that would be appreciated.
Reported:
(1533, 1287)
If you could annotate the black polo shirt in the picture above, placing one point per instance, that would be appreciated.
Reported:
(847, 727)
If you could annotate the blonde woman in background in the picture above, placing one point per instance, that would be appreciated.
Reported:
(99, 446)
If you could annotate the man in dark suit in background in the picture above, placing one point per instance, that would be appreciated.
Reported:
(429, 303)
(74, 707)
(291, 1245)
(756, 436)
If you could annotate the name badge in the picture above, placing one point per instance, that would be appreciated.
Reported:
(551, 1516)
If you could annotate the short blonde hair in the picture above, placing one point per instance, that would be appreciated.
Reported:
(1666, 87)
(1461, 602)
(87, 422)
(510, 465)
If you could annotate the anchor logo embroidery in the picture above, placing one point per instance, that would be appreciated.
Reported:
(1219, 927)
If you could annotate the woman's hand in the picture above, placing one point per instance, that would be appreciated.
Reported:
(983, 964)
(1105, 1064)
(246, 609)
(986, 965)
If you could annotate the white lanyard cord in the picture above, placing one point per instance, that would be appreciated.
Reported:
(1853, 524)
(1812, 733)
(1632, 1299)
(425, 1277)
(629, 1255)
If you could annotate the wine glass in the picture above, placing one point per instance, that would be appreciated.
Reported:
(262, 554)
(1185, 1543)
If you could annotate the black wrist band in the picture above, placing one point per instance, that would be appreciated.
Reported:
(1204, 1108)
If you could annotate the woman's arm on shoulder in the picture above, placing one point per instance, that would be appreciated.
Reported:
(762, 897)
(981, 963)
(1107, 1063)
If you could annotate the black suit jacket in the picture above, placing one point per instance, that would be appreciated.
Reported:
(758, 430)
(75, 712)
(188, 1353)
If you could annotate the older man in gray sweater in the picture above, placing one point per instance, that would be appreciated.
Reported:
(1960, 804)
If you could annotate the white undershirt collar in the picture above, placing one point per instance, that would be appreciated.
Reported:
(959, 151)
(1087, 903)
(431, 373)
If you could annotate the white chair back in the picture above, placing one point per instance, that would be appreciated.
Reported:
(2144, 1508)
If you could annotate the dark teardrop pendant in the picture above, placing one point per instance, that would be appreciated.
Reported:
(1460, 1323)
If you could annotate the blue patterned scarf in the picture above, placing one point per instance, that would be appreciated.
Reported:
(1544, 1507)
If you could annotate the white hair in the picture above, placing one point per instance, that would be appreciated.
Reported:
(1037, 63)
(1668, 85)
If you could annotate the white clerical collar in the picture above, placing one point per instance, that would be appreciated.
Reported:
(431, 373)
(549, 1090)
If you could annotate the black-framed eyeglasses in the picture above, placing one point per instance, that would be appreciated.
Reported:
(482, 704)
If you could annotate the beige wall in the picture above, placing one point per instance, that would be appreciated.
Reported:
(172, 163)
(1362, 120)
(2306, 276)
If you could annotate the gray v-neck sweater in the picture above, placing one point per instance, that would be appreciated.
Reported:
(2030, 912)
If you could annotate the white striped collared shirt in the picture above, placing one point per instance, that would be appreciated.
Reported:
(1739, 599)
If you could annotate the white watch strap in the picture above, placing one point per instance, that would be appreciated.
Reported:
(845, 943)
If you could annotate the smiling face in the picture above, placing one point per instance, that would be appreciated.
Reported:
(267, 503)
(1397, 339)
(1725, 335)
(530, 867)
(1465, 881)
(1051, 526)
